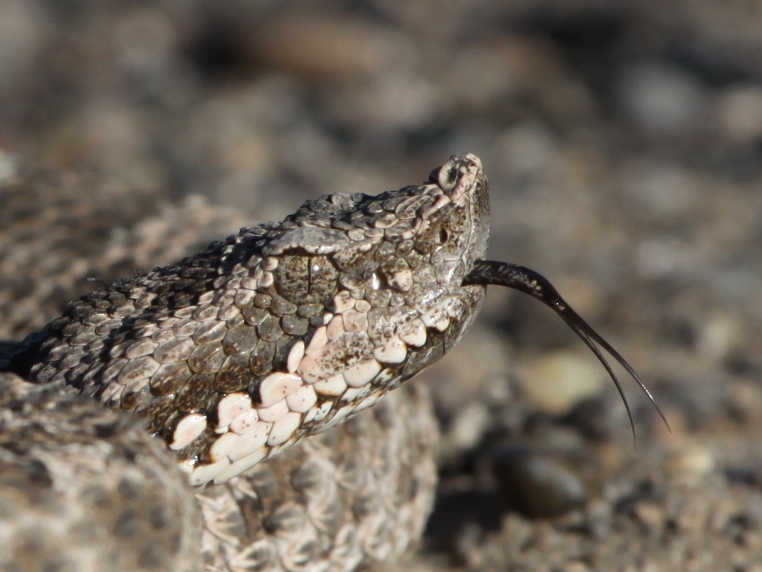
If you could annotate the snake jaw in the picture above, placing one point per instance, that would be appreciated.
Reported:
(525, 280)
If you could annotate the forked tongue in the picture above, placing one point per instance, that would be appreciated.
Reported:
(530, 282)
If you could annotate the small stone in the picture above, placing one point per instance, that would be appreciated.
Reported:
(557, 382)
(652, 515)
(538, 487)
(694, 459)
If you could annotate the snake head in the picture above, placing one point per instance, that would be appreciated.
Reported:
(284, 329)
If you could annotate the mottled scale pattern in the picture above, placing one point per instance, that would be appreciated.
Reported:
(281, 332)
(83, 487)
(347, 499)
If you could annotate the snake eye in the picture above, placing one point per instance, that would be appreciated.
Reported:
(448, 177)
(444, 236)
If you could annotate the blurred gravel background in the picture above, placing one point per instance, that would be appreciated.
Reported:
(623, 141)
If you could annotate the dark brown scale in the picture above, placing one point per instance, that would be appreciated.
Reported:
(294, 326)
(385, 251)
(240, 340)
(57, 353)
(280, 306)
(234, 374)
(282, 348)
(198, 394)
(262, 301)
(206, 358)
(261, 359)
(235, 320)
(74, 374)
(309, 310)
(255, 316)
(130, 399)
(415, 259)
(353, 260)
(269, 328)
(169, 379)
(210, 332)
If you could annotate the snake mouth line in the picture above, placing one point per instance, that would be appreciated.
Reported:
(525, 280)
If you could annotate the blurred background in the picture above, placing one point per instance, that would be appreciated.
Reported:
(623, 141)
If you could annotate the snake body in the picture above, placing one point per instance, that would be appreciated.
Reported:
(232, 357)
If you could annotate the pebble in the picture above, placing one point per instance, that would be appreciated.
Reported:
(556, 382)
(469, 426)
(537, 486)
(694, 459)
(740, 112)
(662, 99)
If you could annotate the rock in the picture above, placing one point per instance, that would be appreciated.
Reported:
(557, 381)
(537, 486)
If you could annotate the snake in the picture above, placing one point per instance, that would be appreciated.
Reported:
(246, 408)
